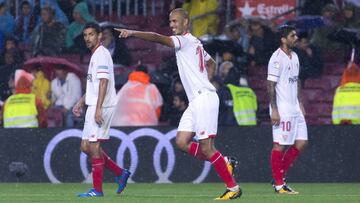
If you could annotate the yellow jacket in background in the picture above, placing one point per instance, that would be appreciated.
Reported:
(244, 104)
(347, 104)
(41, 88)
(20, 111)
(206, 25)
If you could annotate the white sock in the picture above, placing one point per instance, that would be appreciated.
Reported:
(234, 189)
(278, 187)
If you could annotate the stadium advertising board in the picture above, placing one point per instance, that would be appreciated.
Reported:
(53, 155)
(265, 9)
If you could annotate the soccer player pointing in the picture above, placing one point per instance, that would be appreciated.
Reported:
(201, 117)
(286, 109)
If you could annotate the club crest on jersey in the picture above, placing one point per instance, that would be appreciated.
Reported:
(293, 79)
(276, 65)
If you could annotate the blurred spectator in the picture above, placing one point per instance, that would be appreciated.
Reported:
(66, 91)
(310, 56)
(139, 101)
(346, 107)
(224, 69)
(11, 46)
(320, 36)
(238, 104)
(36, 9)
(351, 20)
(6, 71)
(262, 43)
(23, 109)
(203, 16)
(49, 37)
(177, 86)
(1, 43)
(74, 40)
(116, 46)
(25, 23)
(59, 15)
(41, 86)
(68, 6)
(236, 31)
(180, 104)
(313, 7)
(7, 22)
(6, 82)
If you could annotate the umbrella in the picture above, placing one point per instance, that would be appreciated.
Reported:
(307, 22)
(108, 24)
(48, 63)
(346, 36)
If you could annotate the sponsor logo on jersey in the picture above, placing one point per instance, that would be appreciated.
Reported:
(293, 79)
(89, 77)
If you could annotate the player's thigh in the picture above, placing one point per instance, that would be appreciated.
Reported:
(103, 130)
(206, 113)
(186, 123)
(301, 139)
(92, 131)
(89, 124)
(285, 132)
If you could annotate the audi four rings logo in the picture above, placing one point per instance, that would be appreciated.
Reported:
(127, 142)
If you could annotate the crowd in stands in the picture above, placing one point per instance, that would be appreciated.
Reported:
(154, 96)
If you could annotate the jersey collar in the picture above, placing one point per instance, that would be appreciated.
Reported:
(92, 51)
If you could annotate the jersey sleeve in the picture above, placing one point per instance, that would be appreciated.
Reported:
(179, 41)
(102, 66)
(206, 56)
(274, 68)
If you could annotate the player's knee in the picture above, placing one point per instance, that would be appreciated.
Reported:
(277, 147)
(84, 148)
(301, 145)
(181, 144)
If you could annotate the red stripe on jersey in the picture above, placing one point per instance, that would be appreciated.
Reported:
(179, 42)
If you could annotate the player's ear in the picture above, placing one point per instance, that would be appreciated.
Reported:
(186, 22)
(283, 40)
(100, 36)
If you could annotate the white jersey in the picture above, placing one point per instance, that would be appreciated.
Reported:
(190, 58)
(101, 66)
(284, 70)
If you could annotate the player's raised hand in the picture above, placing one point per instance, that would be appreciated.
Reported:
(275, 117)
(124, 33)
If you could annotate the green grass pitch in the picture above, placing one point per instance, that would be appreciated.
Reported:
(179, 192)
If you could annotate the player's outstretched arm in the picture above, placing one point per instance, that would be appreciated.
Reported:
(148, 36)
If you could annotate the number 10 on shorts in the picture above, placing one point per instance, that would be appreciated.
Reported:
(286, 126)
